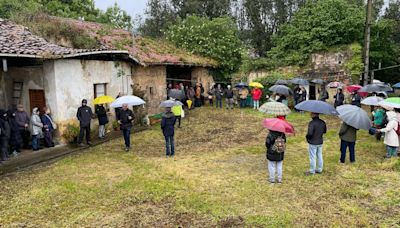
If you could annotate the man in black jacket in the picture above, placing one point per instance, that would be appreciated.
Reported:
(125, 119)
(84, 116)
(316, 130)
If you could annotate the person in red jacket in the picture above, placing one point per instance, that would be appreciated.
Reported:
(256, 94)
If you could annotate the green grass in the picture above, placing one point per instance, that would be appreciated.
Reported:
(217, 178)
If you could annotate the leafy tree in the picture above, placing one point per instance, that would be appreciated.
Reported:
(215, 38)
(159, 16)
(117, 17)
(317, 26)
(9, 8)
(203, 8)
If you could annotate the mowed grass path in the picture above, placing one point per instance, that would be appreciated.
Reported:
(217, 179)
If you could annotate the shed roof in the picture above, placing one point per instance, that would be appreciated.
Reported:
(17, 41)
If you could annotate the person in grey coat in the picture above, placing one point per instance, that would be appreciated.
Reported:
(22, 119)
(36, 128)
(219, 93)
(84, 116)
(348, 137)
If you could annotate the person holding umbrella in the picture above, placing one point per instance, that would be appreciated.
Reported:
(125, 119)
(276, 146)
(316, 130)
(243, 92)
(256, 95)
(103, 119)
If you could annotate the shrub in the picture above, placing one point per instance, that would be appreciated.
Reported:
(71, 133)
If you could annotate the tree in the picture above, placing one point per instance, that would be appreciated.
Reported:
(215, 38)
(318, 26)
(203, 8)
(117, 17)
(159, 16)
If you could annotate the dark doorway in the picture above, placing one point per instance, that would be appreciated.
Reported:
(312, 95)
(36, 98)
(178, 74)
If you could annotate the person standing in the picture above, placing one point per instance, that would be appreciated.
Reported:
(36, 131)
(125, 119)
(339, 98)
(256, 96)
(348, 137)
(316, 130)
(379, 116)
(168, 128)
(302, 94)
(356, 99)
(219, 93)
(22, 119)
(4, 135)
(243, 92)
(84, 116)
(101, 114)
(229, 97)
(15, 140)
(275, 144)
(211, 92)
(48, 127)
(190, 94)
(197, 98)
(323, 95)
(177, 110)
(391, 139)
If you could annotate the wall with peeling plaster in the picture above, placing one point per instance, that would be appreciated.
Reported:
(201, 74)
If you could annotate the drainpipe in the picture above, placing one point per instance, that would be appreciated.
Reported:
(5, 68)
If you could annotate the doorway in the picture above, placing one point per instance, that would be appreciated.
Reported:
(312, 93)
(36, 98)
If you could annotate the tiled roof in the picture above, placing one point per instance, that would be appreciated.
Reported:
(17, 40)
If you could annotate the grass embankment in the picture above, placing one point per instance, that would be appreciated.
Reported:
(217, 178)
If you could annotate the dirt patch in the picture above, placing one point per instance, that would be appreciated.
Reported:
(231, 222)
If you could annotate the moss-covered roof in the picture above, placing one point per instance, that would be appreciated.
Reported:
(146, 50)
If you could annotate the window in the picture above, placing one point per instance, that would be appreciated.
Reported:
(151, 90)
(100, 90)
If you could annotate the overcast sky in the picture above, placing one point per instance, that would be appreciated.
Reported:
(132, 7)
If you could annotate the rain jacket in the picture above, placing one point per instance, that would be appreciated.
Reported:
(229, 93)
(167, 124)
(324, 95)
(126, 123)
(256, 94)
(101, 115)
(316, 130)
(177, 110)
(36, 123)
(15, 134)
(219, 93)
(356, 100)
(348, 133)
(46, 120)
(84, 116)
(391, 137)
(379, 116)
(339, 99)
(21, 118)
(269, 142)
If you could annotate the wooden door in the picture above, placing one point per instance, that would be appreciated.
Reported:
(36, 98)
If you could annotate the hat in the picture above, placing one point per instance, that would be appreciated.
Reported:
(84, 101)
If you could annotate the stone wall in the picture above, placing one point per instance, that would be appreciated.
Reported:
(152, 80)
(201, 74)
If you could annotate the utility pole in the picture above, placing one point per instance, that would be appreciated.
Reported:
(367, 41)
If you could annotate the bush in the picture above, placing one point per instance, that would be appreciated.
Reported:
(71, 133)
(139, 111)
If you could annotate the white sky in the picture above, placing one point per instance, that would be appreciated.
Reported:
(132, 7)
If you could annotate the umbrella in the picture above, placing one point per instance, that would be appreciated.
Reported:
(317, 107)
(275, 108)
(371, 88)
(397, 85)
(256, 84)
(281, 89)
(299, 81)
(103, 100)
(241, 85)
(129, 100)
(393, 102)
(282, 82)
(354, 116)
(275, 124)
(170, 104)
(372, 101)
(335, 85)
(318, 81)
(176, 93)
(353, 88)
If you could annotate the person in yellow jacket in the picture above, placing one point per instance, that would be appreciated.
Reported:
(177, 110)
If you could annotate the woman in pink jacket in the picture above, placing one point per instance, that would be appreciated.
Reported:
(256, 94)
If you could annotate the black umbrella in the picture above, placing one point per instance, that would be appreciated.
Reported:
(241, 85)
(318, 81)
(374, 88)
(282, 82)
(281, 89)
(176, 93)
(299, 81)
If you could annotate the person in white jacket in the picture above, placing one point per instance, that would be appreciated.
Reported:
(391, 138)
(36, 128)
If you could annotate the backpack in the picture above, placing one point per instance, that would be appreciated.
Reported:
(279, 145)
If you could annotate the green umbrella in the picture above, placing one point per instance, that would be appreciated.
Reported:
(393, 102)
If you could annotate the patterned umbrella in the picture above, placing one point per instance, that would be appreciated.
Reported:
(335, 85)
(275, 108)
(275, 124)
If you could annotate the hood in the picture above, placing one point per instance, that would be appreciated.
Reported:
(35, 111)
(391, 115)
(168, 115)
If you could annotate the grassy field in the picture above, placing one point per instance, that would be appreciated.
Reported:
(218, 178)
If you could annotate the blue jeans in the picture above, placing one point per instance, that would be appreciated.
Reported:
(242, 103)
(343, 149)
(169, 145)
(391, 151)
(35, 142)
(218, 101)
(256, 104)
(127, 137)
(316, 160)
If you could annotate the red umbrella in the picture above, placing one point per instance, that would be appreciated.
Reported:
(353, 88)
(275, 124)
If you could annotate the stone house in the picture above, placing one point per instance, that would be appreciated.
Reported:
(36, 72)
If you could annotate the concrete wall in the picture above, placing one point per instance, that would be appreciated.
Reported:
(152, 80)
(201, 74)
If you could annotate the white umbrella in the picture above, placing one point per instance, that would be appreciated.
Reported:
(129, 100)
(372, 101)
(354, 116)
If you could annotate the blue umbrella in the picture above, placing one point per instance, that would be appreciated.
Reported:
(354, 116)
(299, 81)
(314, 106)
(397, 85)
(241, 85)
